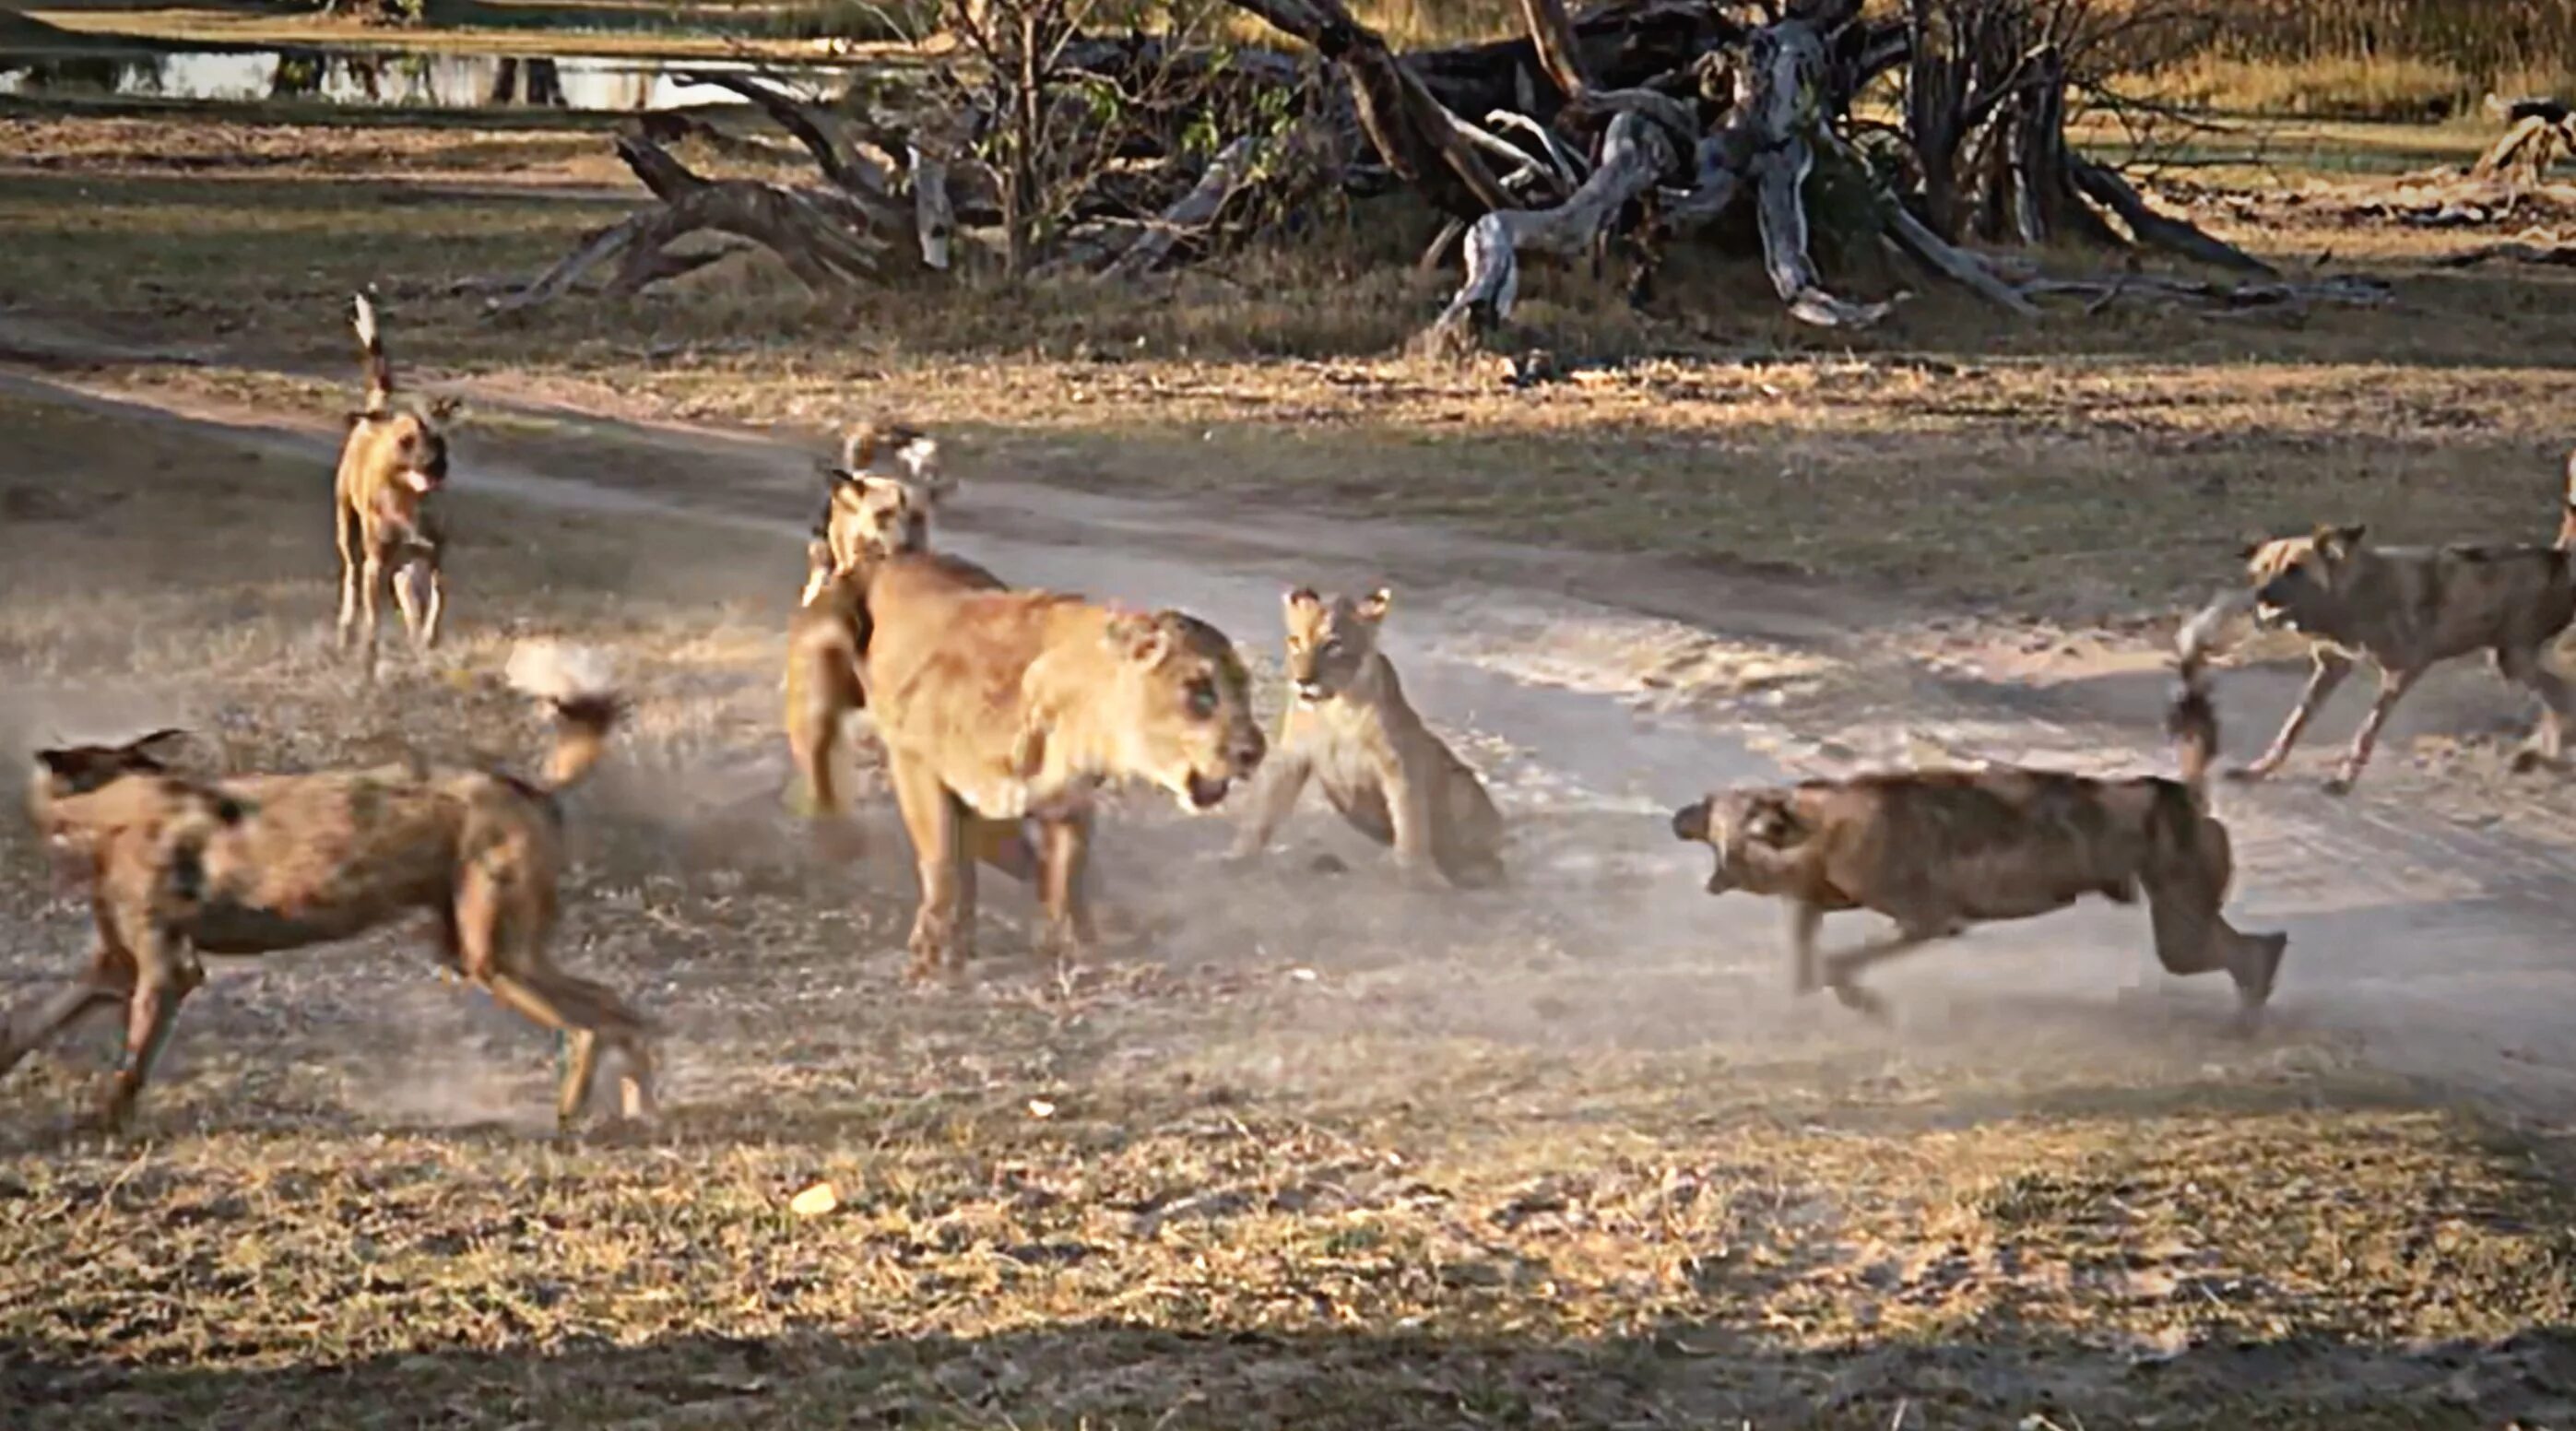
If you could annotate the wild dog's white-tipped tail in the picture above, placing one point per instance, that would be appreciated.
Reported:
(580, 684)
(554, 671)
(2192, 719)
(362, 318)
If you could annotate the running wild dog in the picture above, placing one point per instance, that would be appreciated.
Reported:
(393, 461)
(179, 866)
(1940, 850)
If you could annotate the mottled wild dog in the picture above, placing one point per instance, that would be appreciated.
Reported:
(2408, 609)
(1350, 727)
(394, 459)
(179, 867)
(1015, 703)
(1939, 850)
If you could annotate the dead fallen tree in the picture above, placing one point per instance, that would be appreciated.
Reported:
(1635, 122)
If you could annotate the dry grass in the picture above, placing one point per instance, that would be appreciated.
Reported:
(1414, 1173)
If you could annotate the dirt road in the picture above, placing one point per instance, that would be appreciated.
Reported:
(1600, 692)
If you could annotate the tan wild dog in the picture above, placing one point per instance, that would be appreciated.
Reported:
(393, 461)
(1940, 850)
(1350, 727)
(2408, 609)
(179, 867)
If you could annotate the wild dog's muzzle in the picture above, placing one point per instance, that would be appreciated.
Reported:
(1690, 822)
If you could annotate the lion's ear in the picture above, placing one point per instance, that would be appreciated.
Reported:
(1372, 608)
(1301, 596)
(2340, 541)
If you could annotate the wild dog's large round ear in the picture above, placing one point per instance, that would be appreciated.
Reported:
(1372, 608)
(446, 408)
(2341, 541)
(161, 745)
(1771, 819)
(920, 458)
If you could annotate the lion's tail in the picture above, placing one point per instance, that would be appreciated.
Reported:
(575, 681)
(372, 362)
(2192, 719)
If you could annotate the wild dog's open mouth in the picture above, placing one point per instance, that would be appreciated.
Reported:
(1206, 791)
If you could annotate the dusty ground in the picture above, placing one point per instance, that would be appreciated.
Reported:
(1562, 1155)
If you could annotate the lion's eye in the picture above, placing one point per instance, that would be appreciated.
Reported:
(1203, 698)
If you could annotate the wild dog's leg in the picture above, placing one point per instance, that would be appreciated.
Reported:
(1275, 788)
(166, 969)
(2392, 685)
(2332, 666)
(2186, 883)
(107, 982)
(1911, 932)
(408, 602)
(345, 535)
(437, 605)
(1065, 866)
(1805, 920)
(371, 577)
(590, 1013)
(2526, 665)
(929, 817)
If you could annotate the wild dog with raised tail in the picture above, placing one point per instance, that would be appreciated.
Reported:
(867, 517)
(392, 463)
(2407, 609)
(180, 866)
(1350, 727)
(1939, 850)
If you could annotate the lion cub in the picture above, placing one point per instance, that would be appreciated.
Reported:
(1349, 726)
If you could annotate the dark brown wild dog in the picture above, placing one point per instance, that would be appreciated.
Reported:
(2408, 609)
(394, 458)
(1939, 850)
(180, 867)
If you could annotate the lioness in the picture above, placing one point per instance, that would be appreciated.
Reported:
(1349, 726)
(1939, 850)
(2408, 609)
(1010, 704)
(394, 458)
(866, 519)
(260, 863)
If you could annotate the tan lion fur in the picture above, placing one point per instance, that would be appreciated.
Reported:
(1940, 850)
(243, 865)
(391, 464)
(867, 518)
(1351, 729)
(2407, 609)
(1007, 704)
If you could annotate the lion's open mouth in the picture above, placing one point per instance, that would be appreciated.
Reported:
(1718, 883)
(420, 479)
(1205, 791)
